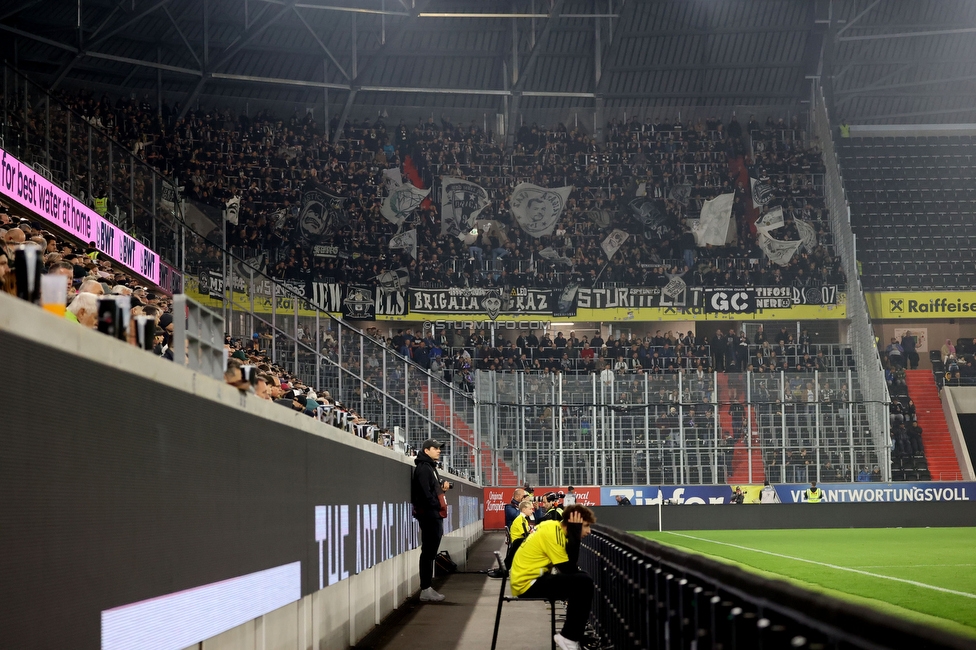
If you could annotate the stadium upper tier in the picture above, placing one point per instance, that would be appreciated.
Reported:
(912, 201)
(649, 180)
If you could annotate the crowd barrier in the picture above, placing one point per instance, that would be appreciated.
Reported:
(144, 494)
(651, 596)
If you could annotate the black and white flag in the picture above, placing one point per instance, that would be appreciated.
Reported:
(461, 203)
(537, 209)
(649, 215)
(680, 193)
(396, 280)
(778, 252)
(613, 242)
(808, 234)
(675, 287)
(713, 223)
(550, 253)
(392, 179)
(406, 241)
(232, 210)
(771, 220)
(321, 216)
(400, 202)
(762, 191)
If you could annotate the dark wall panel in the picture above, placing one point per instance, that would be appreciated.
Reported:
(115, 489)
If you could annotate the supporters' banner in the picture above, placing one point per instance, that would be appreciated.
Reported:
(403, 200)
(650, 216)
(359, 302)
(634, 298)
(493, 228)
(489, 302)
(762, 191)
(771, 220)
(613, 242)
(680, 193)
(712, 228)
(461, 203)
(778, 252)
(398, 280)
(565, 301)
(674, 288)
(392, 179)
(325, 251)
(169, 195)
(550, 253)
(729, 301)
(390, 302)
(787, 297)
(873, 492)
(808, 235)
(600, 217)
(214, 282)
(406, 241)
(232, 210)
(537, 209)
(327, 296)
(321, 216)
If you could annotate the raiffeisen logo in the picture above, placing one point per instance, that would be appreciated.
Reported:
(941, 306)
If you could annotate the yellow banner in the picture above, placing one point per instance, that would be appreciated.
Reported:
(649, 314)
(917, 305)
(284, 305)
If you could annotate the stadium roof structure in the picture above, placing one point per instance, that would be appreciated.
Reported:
(880, 60)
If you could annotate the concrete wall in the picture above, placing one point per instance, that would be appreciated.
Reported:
(342, 614)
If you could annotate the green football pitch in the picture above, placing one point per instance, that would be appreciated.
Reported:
(923, 574)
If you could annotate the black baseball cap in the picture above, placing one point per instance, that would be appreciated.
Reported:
(430, 442)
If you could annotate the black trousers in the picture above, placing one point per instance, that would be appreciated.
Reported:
(431, 531)
(574, 588)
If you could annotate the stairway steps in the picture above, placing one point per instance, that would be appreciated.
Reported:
(940, 454)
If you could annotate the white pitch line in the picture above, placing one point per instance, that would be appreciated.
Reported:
(831, 566)
(905, 566)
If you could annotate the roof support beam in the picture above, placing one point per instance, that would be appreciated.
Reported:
(139, 16)
(39, 39)
(182, 37)
(24, 6)
(856, 18)
(321, 44)
(935, 32)
(539, 45)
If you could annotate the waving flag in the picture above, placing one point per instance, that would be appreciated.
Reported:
(461, 203)
(537, 209)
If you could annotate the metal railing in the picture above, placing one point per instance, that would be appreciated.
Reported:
(681, 428)
(862, 335)
(651, 596)
(376, 383)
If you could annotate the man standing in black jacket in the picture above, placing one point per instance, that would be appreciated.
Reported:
(430, 509)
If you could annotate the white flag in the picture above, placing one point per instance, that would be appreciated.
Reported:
(713, 223)
(406, 240)
(403, 200)
(808, 234)
(396, 280)
(762, 192)
(675, 287)
(461, 203)
(613, 242)
(392, 179)
(537, 209)
(232, 210)
(771, 220)
(778, 252)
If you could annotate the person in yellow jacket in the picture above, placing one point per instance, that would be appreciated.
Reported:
(814, 494)
(556, 544)
(520, 529)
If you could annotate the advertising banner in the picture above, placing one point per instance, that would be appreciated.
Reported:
(652, 495)
(917, 305)
(881, 492)
(496, 498)
(28, 189)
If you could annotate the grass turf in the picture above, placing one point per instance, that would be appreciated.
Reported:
(938, 557)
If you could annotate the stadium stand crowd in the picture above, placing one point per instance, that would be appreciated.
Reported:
(269, 163)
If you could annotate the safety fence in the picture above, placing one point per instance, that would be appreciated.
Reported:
(651, 596)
